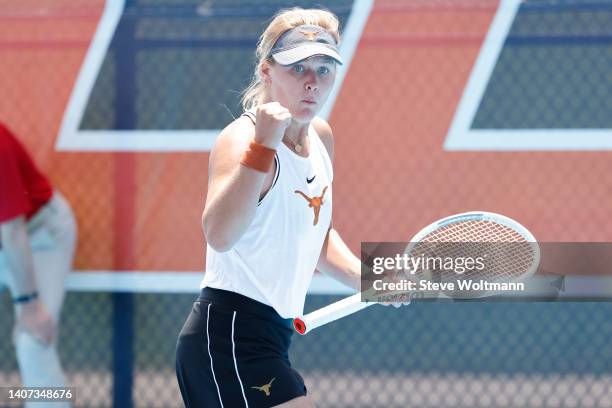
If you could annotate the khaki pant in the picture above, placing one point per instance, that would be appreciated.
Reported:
(53, 234)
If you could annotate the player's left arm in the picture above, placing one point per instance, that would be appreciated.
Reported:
(338, 262)
(336, 259)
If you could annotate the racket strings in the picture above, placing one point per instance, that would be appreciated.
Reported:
(507, 255)
(474, 231)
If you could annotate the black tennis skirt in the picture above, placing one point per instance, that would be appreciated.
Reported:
(233, 352)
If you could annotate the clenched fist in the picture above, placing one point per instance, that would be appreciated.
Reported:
(272, 119)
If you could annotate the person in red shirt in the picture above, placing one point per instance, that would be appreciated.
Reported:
(37, 238)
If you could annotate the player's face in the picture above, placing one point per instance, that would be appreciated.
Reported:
(302, 87)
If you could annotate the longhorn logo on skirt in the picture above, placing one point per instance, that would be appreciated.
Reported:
(314, 202)
(266, 387)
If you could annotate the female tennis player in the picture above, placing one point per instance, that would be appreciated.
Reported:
(268, 224)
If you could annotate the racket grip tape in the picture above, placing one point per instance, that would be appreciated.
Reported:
(306, 323)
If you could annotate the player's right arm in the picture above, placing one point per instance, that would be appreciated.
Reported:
(233, 188)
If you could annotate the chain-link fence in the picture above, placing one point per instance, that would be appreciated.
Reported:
(175, 66)
(183, 64)
(180, 64)
(502, 354)
(554, 57)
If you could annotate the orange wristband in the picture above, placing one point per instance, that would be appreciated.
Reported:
(258, 157)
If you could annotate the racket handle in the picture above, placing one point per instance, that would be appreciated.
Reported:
(327, 314)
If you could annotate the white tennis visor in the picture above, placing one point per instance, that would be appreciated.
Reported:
(302, 42)
(302, 52)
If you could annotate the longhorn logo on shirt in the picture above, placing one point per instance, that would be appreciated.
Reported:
(266, 387)
(314, 202)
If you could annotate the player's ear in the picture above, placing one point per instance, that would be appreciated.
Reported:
(264, 71)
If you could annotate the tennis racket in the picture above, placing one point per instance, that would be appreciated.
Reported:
(513, 254)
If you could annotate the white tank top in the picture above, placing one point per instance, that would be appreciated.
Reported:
(273, 262)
